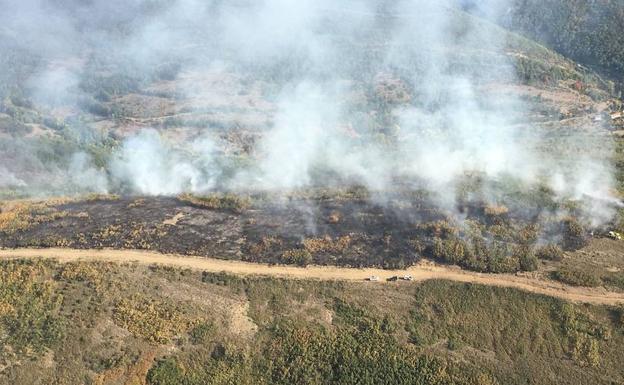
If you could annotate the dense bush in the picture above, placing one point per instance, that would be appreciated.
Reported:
(156, 321)
(526, 257)
(484, 255)
(615, 279)
(300, 257)
(589, 32)
(574, 235)
(165, 372)
(577, 276)
(29, 319)
(361, 351)
(550, 252)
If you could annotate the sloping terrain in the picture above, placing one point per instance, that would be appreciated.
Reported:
(104, 323)
(238, 106)
(421, 272)
(194, 193)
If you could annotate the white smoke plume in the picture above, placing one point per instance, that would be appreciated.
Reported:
(362, 92)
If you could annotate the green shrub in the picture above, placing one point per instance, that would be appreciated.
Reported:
(201, 332)
(574, 236)
(222, 279)
(450, 250)
(526, 256)
(29, 307)
(620, 316)
(300, 257)
(577, 277)
(550, 252)
(615, 279)
(166, 372)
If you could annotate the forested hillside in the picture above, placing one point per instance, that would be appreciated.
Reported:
(587, 31)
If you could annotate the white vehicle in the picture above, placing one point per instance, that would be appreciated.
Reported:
(407, 278)
(373, 278)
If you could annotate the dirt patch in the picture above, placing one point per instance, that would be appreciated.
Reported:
(239, 320)
(173, 220)
(419, 272)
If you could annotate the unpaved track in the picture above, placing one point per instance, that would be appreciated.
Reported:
(420, 272)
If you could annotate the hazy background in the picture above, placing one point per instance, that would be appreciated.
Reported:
(373, 93)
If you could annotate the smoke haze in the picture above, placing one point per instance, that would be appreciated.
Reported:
(369, 93)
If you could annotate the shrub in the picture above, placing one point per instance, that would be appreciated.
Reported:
(550, 252)
(301, 257)
(494, 210)
(573, 234)
(29, 307)
(165, 372)
(576, 277)
(615, 279)
(327, 244)
(440, 229)
(201, 332)
(265, 245)
(526, 256)
(450, 250)
(620, 316)
(157, 322)
(20, 216)
(95, 107)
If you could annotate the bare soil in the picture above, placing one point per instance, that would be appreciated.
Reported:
(423, 271)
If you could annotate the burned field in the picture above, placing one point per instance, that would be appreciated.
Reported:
(352, 228)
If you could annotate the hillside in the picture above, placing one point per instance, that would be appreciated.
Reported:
(588, 32)
(74, 137)
(235, 192)
(102, 323)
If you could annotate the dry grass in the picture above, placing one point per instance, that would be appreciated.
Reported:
(327, 244)
(266, 244)
(20, 215)
(156, 321)
(90, 272)
(301, 257)
(109, 232)
(226, 201)
(494, 210)
(441, 229)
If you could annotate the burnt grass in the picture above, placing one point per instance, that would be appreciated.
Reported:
(352, 232)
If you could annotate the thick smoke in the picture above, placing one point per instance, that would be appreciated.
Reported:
(147, 164)
(359, 92)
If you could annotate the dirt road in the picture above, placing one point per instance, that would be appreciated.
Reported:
(420, 272)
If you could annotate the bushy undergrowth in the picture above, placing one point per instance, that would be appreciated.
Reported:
(362, 351)
(308, 332)
(577, 276)
(550, 252)
(156, 321)
(300, 257)
(17, 216)
(485, 255)
(29, 307)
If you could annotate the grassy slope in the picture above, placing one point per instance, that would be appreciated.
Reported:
(105, 324)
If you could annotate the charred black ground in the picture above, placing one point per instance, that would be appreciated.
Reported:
(352, 228)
